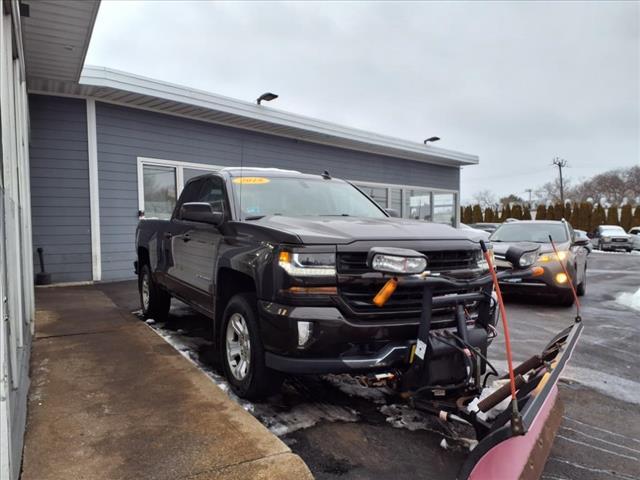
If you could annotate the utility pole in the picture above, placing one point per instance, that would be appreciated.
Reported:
(560, 163)
(528, 190)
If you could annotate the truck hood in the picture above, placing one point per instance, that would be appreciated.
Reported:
(344, 230)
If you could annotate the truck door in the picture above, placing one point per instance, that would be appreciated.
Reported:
(198, 246)
(174, 242)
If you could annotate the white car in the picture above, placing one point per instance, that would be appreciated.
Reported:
(635, 237)
(611, 237)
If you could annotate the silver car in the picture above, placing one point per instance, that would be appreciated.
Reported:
(635, 237)
(611, 237)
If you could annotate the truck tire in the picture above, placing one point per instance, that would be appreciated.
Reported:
(155, 301)
(242, 350)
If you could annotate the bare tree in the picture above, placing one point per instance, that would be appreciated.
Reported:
(632, 183)
(485, 198)
(612, 186)
(550, 191)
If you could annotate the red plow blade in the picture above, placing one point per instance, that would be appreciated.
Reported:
(503, 455)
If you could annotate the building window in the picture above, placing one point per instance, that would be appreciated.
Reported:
(395, 200)
(159, 191)
(378, 194)
(415, 203)
(160, 183)
(418, 205)
(444, 208)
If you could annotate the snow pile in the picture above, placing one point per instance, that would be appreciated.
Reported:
(631, 300)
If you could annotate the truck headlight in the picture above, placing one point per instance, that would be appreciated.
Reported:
(396, 260)
(482, 261)
(308, 264)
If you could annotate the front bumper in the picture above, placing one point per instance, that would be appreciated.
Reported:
(616, 245)
(338, 345)
(390, 356)
(542, 285)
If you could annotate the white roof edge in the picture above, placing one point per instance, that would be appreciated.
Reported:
(109, 78)
(85, 47)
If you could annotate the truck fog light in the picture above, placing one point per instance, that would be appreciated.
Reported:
(561, 278)
(304, 332)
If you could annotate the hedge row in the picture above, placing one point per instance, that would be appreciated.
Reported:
(582, 216)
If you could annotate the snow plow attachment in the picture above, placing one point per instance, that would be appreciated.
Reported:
(511, 452)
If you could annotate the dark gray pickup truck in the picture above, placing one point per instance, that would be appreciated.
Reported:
(278, 260)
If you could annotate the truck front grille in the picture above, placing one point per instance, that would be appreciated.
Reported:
(406, 299)
(356, 262)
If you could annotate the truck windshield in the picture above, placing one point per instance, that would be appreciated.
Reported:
(529, 232)
(299, 197)
(613, 231)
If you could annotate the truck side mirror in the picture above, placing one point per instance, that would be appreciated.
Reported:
(200, 212)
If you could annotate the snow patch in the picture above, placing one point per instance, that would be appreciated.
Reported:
(608, 252)
(631, 300)
(454, 435)
(280, 419)
(605, 383)
(350, 386)
(302, 416)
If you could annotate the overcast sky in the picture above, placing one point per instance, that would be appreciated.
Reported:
(515, 83)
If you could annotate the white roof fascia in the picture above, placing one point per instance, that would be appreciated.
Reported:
(126, 82)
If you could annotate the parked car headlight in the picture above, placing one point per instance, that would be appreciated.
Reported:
(308, 264)
(606, 239)
(552, 257)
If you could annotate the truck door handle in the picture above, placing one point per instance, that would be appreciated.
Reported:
(186, 237)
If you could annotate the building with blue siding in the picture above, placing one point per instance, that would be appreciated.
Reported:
(87, 151)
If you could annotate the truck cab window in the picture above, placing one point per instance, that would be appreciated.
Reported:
(190, 193)
(212, 192)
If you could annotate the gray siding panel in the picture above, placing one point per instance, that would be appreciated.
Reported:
(60, 186)
(125, 134)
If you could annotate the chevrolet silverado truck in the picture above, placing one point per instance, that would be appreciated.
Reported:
(277, 260)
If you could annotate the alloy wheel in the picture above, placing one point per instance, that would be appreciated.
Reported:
(145, 292)
(238, 346)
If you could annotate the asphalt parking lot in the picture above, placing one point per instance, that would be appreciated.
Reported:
(344, 431)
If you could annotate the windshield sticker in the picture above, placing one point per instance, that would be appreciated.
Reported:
(251, 180)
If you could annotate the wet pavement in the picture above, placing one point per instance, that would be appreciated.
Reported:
(345, 431)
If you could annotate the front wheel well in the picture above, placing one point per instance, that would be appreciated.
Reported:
(229, 283)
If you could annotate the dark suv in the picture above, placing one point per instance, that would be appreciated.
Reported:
(278, 260)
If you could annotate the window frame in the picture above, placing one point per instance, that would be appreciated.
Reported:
(404, 191)
(178, 167)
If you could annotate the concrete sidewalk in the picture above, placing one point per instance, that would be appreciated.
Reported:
(111, 400)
